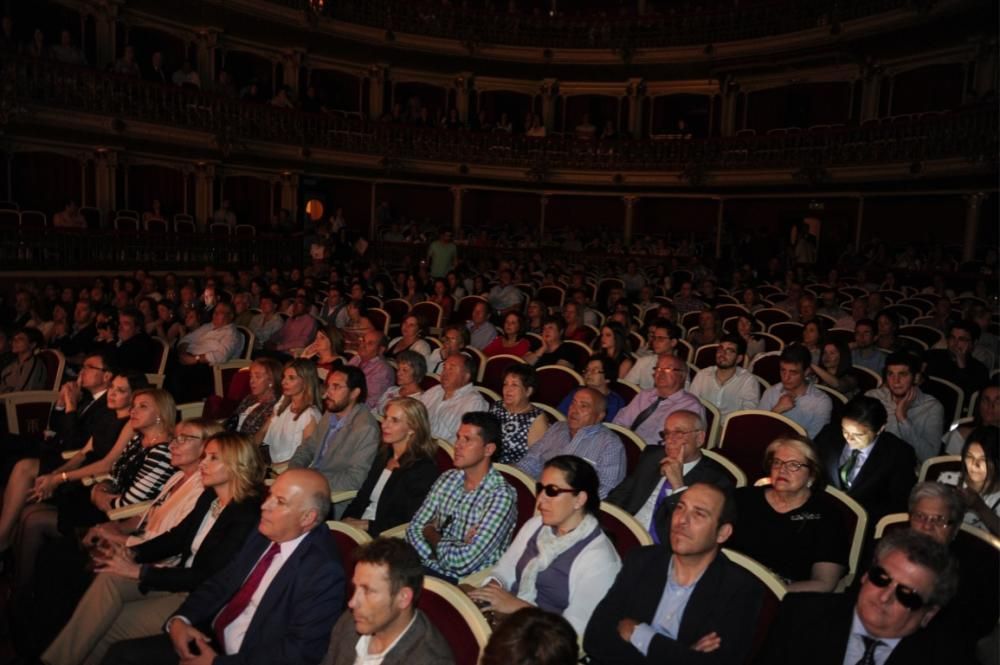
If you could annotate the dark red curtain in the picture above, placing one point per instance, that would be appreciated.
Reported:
(152, 181)
(44, 180)
(250, 199)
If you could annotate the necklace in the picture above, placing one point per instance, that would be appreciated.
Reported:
(217, 507)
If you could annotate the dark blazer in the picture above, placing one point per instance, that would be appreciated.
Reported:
(815, 627)
(883, 485)
(91, 418)
(220, 545)
(138, 354)
(401, 497)
(726, 601)
(421, 645)
(632, 493)
(292, 623)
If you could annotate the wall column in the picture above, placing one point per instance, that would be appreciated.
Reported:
(871, 89)
(105, 181)
(973, 207)
(291, 61)
(106, 35)
(205, 43)
(204, 181)
(630, 201)
(463, 89)
(858, 223)
(456, 209)
(636, 91)
(549, 90)
(730, 93)
(290, 195)
(376, 92)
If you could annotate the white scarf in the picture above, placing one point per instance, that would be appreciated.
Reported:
(550, 546)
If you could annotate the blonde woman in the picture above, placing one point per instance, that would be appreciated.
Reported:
(296, 414)
(138, 588)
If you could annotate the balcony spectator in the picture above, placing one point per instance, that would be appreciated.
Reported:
(69, 217)
(453, 120)
(609, 133)
(27, 371)
(504, 125)
(536, 129)
(156, 73)
(585, 131)
(224, 215)
(8, 42)
(126, 65)
(252, 93)
(311, 102)
(224, 86)
(281, 99)
(66, 51)
(186, 77)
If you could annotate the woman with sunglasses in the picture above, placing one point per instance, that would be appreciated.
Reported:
(560, 560)
(789, 523)
(140, 587)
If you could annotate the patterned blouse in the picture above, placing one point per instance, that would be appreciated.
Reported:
(254, 420)
(139, 473)
(513, 431)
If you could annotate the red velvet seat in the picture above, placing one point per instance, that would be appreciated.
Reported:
(622, 529)
(767, 366)
(704, 356)
(554, 383)
(525, 489)
(494, 368)
(457, 619)
(747, 434)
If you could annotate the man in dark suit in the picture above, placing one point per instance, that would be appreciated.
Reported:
(383, 617)
(274, 604)
(135, 350)
(873, 466)
(912, 578)
(663, 472)
(689, 606)
(82, 407)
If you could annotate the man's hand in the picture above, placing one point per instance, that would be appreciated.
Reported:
(785, 403)
(903, 405)
(432, 535)
(673, 471)
(708, 643)
(186, 358)
(626, 627)
(207, 655)
(69, 395)
(182, 635)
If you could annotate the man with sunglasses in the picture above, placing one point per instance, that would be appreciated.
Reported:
(912, 578)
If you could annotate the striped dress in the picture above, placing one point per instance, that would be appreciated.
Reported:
(139, 473)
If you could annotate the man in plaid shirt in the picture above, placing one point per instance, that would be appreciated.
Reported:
(465, 523)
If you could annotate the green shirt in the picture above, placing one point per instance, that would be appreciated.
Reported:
(442, 256)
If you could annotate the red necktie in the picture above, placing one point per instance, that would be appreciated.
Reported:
(241, 599)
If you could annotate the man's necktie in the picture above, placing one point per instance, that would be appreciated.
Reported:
(847, 467)
(241, 599)
(646, 413)
(335, 425)
(664, 490)
(868, 658)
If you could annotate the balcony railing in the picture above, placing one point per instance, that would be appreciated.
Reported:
(970, 134)
(695, 24)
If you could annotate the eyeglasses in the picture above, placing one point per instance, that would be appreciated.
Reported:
(674, 433)
(553, 491)
(596, 370)
(666, 370)
(906, 596)
(186, 438)
(792, 465)
(932, 521)
(96, 369)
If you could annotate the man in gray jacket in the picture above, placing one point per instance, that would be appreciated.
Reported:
(384, 624)
(343, 445)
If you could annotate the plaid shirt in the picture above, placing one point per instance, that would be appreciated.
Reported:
(594, 443)
(475, 526)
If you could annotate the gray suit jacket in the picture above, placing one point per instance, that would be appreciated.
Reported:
(350, 452)
(421, 645)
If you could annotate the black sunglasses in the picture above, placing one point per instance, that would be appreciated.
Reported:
(553, 490)
(906, 596)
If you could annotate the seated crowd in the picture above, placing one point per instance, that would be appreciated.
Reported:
(136, 536)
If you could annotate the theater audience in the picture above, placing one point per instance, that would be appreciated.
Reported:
(913, 415)
(454, 338)
(598, 373)
(613, 345)
(379, 375)
(532, 635)
(402, 472)
(583, 435)
(685, 603)
(522, 424)
(255, 411)
(912, 579)
(647, 411)
(865, 353)
(791, 525)
(726, 384)
(794, 397)
(27, 371)
(297, 332)
(662, 473)
(344, 443)
(382, 622)
(411, 369)
(875, 467)
(326, 350)
(465, 522)
(979, 480)
(956, 362)
(986, 412)
(663, 336)
(512, 341)
(138, 588)
(267, 323)
(454, 396)
(560, 561)
(552, 351)
(295, 416)
(834, 369)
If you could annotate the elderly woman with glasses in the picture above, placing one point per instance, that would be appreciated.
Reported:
(789, 523)
(560, 560)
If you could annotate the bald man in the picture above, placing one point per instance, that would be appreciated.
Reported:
(274, 604)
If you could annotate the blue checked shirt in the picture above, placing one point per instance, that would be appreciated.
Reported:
(475, 526)
(594, 443)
